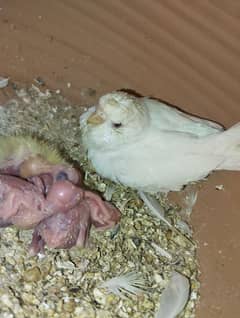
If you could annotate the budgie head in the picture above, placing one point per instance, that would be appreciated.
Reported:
(117, 119)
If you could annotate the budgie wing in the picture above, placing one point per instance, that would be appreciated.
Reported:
(169, 118)
(165, 162)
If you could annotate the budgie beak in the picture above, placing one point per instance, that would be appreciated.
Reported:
(95, 119)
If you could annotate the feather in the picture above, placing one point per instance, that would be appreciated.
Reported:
(175, 296)
(161, 251)
(157, 211)
(129, 283)
(190, 200)
(154, 207)
(184, 227)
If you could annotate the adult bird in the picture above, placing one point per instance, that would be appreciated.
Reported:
(150, 146)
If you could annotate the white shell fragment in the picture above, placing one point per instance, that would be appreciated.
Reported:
(3, 82)
(130, 283)
(154, 207)
(219, 187)
(174, 298)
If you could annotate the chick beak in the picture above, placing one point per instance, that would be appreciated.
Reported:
(95, 119)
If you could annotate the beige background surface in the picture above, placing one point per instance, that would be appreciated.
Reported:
(183, 51)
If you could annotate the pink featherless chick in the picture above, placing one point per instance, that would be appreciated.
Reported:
(38, 189)
(65, 230)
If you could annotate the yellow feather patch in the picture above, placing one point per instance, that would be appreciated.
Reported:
(18, 148)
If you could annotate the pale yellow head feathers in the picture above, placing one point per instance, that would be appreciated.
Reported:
(18, 148)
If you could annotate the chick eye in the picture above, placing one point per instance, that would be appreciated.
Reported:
(117, 125)
(61, 176)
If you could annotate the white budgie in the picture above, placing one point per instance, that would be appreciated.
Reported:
(153, 147)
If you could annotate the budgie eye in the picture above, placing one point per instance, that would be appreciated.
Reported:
(117, 125)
